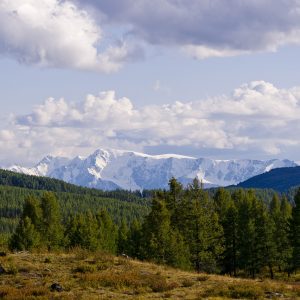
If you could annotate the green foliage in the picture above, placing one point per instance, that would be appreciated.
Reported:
(26, 236)
(231, 231)
(51, 222)
(123, 236)
(295, 233)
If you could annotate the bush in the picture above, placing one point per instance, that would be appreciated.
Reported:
(236, 291)
(187, 282)
(85, 269)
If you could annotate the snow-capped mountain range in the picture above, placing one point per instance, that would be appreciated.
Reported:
(113, 169)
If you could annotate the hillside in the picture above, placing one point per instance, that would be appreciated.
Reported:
(15, 188)
(84, 275)
(34, 182)
(281, 180)
(110, 169)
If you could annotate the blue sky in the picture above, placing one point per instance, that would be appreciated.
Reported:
(206, 78)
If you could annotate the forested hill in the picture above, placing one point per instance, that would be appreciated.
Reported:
(15, 188)
(280, 180)
(8, 178)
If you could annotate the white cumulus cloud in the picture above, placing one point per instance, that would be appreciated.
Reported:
(54, 33)
(257, 119)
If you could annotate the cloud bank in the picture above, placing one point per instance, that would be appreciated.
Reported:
(103, 35)
(208, 28)
(54, 33)
(256, 119)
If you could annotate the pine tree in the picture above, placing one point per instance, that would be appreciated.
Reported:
(222, 200)
(32, 210)
(107, 232)
(280, 212)
(178, 254)
(203, 233)
(51, 227)
(160, 242)
(25, 237)
(123, 235)
(135, 240)
(246, 231)
(295, 233)
(82, 231)
(265, 246)
(156, 232)
(230, 228)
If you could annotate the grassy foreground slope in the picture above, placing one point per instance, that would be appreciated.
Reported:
(85, 275)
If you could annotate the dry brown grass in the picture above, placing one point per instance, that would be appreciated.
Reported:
(85, 275)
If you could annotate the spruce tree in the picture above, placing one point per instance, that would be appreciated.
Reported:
(295, 232)
(82, 231)
(280, 212)
(265, 246)
(230, 228)
(123, 235)
(246, 231)
(51, 226)
(32, 210)
(25, 237)
(156, 232)
(107, 232)
(203, 233)
(135, 240)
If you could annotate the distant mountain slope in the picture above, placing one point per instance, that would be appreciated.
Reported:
(116, 169)
(14, 179)
(278, 179)
(15, 188)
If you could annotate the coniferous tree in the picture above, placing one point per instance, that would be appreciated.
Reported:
(25, 237)
(265, 247)
(107, 232)
(135, 240)
(156, 232)
(295, 233)
(204, 235)
(82, 231)
(222, 200)
(230, 228)
(51, 226)
(27, 234)
(123, 235)
(280, 212)
(246, 231)
(32, 210)
(160, 241)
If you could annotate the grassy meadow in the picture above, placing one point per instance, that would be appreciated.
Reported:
(87, 275)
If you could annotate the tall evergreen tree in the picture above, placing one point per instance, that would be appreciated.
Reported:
(265, 246)
(135, 240)
(203, 233)
(51, 226)
(82, 231)
(32, 210)
(246, 231)
(295, 233)
(161, 242)
(25, 237)
(123, 236)
(230, 228)
(107, 232)
(280, 212)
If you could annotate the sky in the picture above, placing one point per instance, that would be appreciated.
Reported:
(210, 78)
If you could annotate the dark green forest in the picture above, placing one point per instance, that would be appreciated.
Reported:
(226, 231)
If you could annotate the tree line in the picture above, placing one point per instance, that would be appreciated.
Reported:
(234, 233)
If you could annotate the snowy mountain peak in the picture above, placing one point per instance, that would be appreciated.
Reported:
(110, 169)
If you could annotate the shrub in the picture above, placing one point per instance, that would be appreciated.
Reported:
(187, 282)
